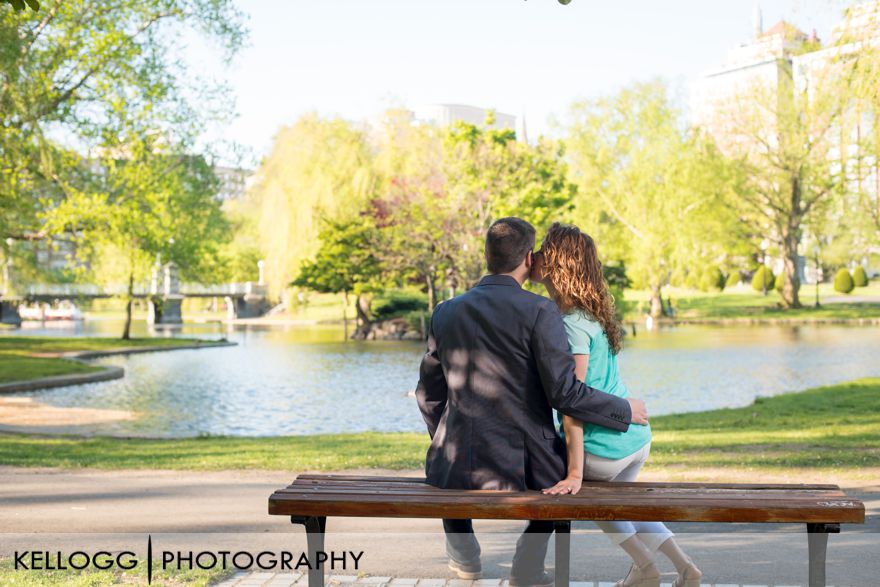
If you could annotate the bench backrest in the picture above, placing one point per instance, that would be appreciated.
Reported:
(406, 497)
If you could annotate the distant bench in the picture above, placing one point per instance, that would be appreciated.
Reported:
(310, 499)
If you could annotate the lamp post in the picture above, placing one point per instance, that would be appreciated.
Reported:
(816, 259)
(764, 246)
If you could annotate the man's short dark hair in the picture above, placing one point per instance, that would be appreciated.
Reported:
(508, 241)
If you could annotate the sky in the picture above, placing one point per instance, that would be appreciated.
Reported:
(354, 58)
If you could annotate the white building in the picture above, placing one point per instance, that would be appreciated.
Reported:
(234, 182)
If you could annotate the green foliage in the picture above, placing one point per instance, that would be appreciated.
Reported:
(394, 303)
(733, 278)
(154, 203)
(639, 172)
(319, 170)
(87, 71)
(441, 188)
(346, 260)
(22, 4)
(712, 280)
(843, 282)
(763, 279)
(860, 277)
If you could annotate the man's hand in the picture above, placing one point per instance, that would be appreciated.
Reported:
(639, 411)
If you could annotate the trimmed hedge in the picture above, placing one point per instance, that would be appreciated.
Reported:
(763, 278)
(860, 278)
(843, 282)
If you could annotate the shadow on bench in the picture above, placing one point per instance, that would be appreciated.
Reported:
(311, 499)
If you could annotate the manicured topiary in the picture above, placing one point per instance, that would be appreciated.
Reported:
(712, 280)
(763, 279)
(733, 278)
(860, 278)
(843, 282)
(780, 281)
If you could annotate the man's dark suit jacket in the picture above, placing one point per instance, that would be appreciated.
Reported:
(497, 360)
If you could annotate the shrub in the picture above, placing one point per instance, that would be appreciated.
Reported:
(860, 278)
(712, 279)
(843, 282)
(396, 303)
(733, 279)
(780, 281)
(762, 279)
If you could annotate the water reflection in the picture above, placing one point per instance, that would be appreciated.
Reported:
(306, 380)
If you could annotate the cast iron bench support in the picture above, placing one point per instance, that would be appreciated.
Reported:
(310, 499)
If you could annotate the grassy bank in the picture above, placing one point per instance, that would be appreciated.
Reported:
(744, 303)
(829, 428)
(31, 357)
(98, 578)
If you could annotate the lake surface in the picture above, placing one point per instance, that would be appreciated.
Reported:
(307, 380)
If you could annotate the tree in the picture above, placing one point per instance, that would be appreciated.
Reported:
(345, 263)
(491, 175)
(78, 69)
(154, 203)
(319, 170)
(441, 188)
(786, 136)
(649, 191)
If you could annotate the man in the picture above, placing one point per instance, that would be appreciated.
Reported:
(497, 361)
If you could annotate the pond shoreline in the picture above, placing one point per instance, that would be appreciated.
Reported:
(106, 373)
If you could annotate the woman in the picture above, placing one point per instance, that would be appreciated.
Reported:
(568, 266)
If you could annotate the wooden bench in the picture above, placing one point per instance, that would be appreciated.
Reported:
(310, 499)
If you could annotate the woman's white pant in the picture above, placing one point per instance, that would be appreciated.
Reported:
(653, 534)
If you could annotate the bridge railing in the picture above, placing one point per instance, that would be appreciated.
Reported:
(73, 290)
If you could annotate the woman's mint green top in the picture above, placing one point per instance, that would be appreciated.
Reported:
(586, 337)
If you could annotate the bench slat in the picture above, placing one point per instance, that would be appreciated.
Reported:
(404, 497)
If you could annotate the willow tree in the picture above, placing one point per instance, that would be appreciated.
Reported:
(651, 192)
(319, 170)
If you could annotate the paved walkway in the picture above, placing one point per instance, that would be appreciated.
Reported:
(300, 580)
(67, 510)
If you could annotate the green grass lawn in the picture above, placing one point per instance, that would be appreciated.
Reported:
(745, 303)
(828, 428)
(10, 577)
(18, 363)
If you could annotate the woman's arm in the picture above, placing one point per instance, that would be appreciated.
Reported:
(574, 440)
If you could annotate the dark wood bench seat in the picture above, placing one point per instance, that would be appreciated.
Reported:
(311, 499)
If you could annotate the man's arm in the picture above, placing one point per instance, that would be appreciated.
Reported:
(564, 392)
(432, 391)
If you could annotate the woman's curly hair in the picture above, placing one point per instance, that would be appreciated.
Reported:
(574, 272)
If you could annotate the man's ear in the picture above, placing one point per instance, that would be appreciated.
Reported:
(530, 259)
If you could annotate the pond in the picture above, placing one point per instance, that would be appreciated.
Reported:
(307, 380)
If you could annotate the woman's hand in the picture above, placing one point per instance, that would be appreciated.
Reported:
(568, 486)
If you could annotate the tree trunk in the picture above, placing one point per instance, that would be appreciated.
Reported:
(791, 281)
(126, 332)
(345, 314)
(362, 306)
(429, 281)
(790, 237)
(656, 301)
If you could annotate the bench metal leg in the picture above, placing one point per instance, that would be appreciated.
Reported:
(315, 527)
(563, 552)
(817, 540)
